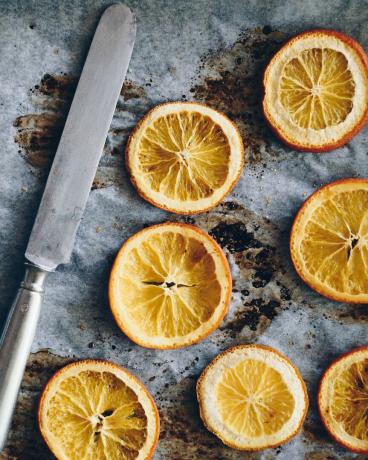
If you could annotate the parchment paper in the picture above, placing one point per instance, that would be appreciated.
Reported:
(211, 51)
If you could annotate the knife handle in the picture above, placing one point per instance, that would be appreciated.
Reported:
(16, 341)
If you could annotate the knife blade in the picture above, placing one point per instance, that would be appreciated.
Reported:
(82, 141)
(66, 192)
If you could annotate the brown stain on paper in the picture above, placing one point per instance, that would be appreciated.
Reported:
(38, 133)
(261, 284)
(230, 80)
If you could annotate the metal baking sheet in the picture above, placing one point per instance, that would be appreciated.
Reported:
(212, 51)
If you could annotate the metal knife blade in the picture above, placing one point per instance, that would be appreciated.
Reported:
(77, 156)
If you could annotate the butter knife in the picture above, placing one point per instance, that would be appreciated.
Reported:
(65, 196)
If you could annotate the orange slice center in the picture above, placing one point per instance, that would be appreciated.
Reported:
(184, 156)
(96, 415)
(169, 285)
(253, 399)
(317, 88)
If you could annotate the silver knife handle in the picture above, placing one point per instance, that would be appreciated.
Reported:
(16, 341)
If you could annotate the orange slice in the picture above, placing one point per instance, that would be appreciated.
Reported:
(252, 397)
(329, 241)
(343, 400)
(170, 286)
(316, 90)
(184, 157)
(98, 410)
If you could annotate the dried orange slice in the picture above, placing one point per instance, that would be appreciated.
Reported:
(170, 286)
(329, 241)
(184, 157)
(252, 397)
(98, 410)
(343, 400)
(316, 90)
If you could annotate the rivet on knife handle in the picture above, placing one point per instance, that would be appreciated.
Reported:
(66, 192)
